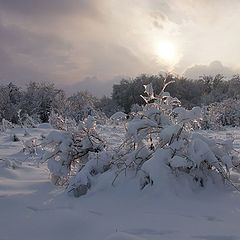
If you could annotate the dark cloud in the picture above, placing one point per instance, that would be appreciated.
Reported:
(69, 40)
(13, 71)
(22, 41)
(166, 10)
(158, 19)
(28, 56)
(69, 50)
(50, 8)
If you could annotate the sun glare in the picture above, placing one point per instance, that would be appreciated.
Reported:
(166, 51)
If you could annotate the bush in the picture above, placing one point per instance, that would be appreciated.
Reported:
(159, 144)
(218, 115)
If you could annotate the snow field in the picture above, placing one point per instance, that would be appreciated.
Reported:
(32, 208)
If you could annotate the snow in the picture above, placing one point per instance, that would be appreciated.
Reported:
(135, 126)
(149, 91)
(44, 126)
(32, 208)
(185, 115)
(177, 161)
(167, 133)
(118, 115)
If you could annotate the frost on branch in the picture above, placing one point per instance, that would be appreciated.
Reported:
(97, 163)
(159, 145)
(69, 151)
(220, 114)
(60, 157)
(5, 124)
(118, 117)
(164, 129)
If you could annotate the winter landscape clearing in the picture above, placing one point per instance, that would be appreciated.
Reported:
(119, 120)
(33, 208)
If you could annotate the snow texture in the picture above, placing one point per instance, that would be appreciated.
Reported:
(32, 208)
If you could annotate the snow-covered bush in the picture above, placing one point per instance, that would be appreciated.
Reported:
(5, 124)
(30, 146)
(118, 117)
(10, 98)
(40, 99)
(80, 106)
(57, 121)
(69, 153)
(136, 108)
(219, 114)
(108, 106)
(29, 122)
(98, 162)
(10, 163)
(26, 121)
(159, 144)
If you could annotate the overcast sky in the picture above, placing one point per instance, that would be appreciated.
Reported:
(67, 41)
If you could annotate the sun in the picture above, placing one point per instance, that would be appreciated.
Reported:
(166, 51)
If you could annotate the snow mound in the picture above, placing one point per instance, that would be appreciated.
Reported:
(118, 115)
(45, 126)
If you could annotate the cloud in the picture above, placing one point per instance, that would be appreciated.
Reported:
(23, 41)
(71, 40)
(13, 71)
(29, 56)
(43, 9)
(68, 41)
(94, 86)
(215, 67)
(158, 19)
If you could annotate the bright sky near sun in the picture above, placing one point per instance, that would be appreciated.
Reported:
(68, 41)
(166, 52)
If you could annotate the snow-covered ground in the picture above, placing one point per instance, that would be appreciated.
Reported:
(32, 208)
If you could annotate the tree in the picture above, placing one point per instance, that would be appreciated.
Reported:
(41, 98)
(10, 98)
(81, 105)
(108, 106)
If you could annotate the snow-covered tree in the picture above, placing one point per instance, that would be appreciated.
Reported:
(159, 145)
(10, 97)
(183, 152)
(42, 98)
(80, 106)
(69, 152)
(220, 114)
(108, 106)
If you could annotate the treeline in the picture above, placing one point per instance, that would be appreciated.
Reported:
(204, 91)
(39, 100)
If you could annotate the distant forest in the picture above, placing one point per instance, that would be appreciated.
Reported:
(39, 100)
(205, 90)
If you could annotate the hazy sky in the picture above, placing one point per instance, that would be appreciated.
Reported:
(66, 41)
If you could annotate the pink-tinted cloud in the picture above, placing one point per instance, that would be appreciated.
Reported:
(214, 68)
(68, 41)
